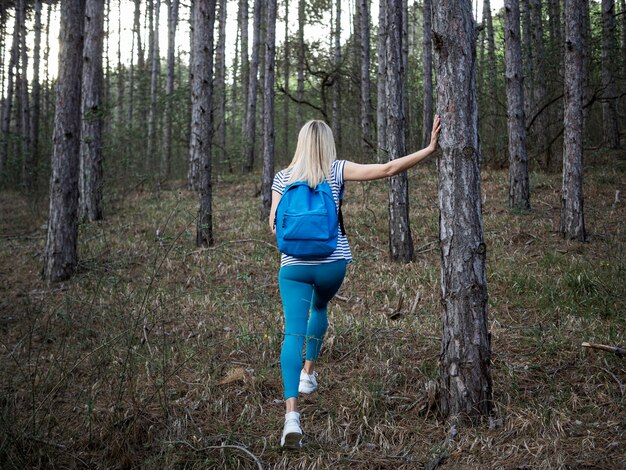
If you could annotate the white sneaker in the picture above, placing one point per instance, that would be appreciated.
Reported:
(292, 433)
(308, 382)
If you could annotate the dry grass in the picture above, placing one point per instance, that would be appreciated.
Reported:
(158, 354)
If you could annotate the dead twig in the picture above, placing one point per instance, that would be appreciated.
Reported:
(614, 349)
(222, 446)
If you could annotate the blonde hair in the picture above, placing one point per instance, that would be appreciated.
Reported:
(314, 154)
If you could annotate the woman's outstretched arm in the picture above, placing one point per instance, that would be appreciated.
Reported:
(357, 172)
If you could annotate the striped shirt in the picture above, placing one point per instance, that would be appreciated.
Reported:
(335, 182)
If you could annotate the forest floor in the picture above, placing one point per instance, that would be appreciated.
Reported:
(157, 354)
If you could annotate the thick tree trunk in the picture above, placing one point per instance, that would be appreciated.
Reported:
(427, 112)
(201, 116)
(366, 99)
(268, 118)
(249, 137)
(381, 106)
(519, 196)
(90, 182)
(36, 95)
(300, 82)
(286, 71)
(400, 242)
(572, 214)
(336, 103)
(172, 23)
(27, 157)
(610, 52)
(155, 72)
(220, 84)
(466, 351)
(60, 255)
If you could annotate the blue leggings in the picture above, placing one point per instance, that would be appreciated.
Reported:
(304, 288)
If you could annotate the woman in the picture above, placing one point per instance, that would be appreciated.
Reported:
(309, 284)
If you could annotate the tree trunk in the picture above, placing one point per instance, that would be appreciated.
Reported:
(527, 58)
(405, 69)
(286, 72)
(268, 118)
(623, 18)
(261, 69)
(466, 350)
(8, 105)
(336, 104)
(90, 182)
(541, 124)
(27, 157)
(400, 242)
(366, 99)
(300, 83)
(610, 52)
(492, 67)
(47, 101)
(427, 120)
(519, 196)
(155, 72)
(201, 116)
(249, 137)
(572, 215)
(36, 93)
(172, 23)
(60, 256)
(120, 71)
(245, 69)
(381, 106)
(220, 84)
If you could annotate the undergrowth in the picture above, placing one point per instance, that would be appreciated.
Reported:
(158, 354)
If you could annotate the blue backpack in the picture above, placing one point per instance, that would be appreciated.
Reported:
(307, 220)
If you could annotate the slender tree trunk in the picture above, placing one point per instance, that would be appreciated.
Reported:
(539, 90)
(400, 242)
(623, 19)
(300, 84)
(286, 71)
(172, 23)
(131, 71)
(336, 104)
(261, 69)
(8, 107)
(249, 137)
(120, 71)
(27, 156)
(381, 107)
(466, 350)
(220, 84)
(528, 58)
(60, 255)
(155, 72)
(245, 70)
(36, 93)
(47, 101)
(405, 70)
(268, 118)
(428, 74)
(201, 120)
(610, 52)
(492, 76)
(519, 196)
(572, 214)
(366, 98)
(90, 179)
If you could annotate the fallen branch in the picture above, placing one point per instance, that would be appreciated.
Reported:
(614, 349)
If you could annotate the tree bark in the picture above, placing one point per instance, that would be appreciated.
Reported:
(36, 93)
(90, 179)
(366, 99)
(623, 18)
(528, 59)
(610, 120)
(172, 23)
(155, 72)
(381, 106)
(27, 156)
(427, 112)
(400, 241)
(220, 84)
(492, 76)
(572, 214)
(249, 137)
(245, 69)
(336, 103)
(8, 105)
(300, 82)
(268, 118)
(201, 116)
(539, 91)
(120, 71)
(286, 80)
(519, 196)
(466, 350)
(60, 255)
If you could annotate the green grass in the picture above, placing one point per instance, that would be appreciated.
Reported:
(127, 364)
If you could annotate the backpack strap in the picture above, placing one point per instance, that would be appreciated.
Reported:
(340, 215)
